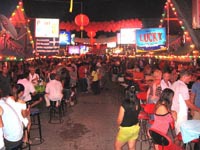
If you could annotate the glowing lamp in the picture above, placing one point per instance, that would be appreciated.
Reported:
(82, 20)
(91, 34)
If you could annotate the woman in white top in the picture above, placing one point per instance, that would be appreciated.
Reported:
(2, 145)
(12, 125)
(20, 107)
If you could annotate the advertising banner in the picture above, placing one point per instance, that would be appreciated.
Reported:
(65, 38)
(48, 28)
(151, 39)
(126, 36)
(47, 45)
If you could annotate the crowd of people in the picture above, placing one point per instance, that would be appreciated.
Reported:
(175, 92)
(62, 79)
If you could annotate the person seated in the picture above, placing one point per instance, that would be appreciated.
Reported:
(20, 107)
(53, 91)
(163, 116)
(12, 125)
(30, 96)
(2, 145)
(33, 77)
(155, 89)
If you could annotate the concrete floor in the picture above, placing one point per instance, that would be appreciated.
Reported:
(89, 125)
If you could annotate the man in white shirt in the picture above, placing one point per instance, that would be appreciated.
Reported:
(30, 96)
(33, 77)
(28, 87)
(181, 100)
(165, 82)
(53, 91)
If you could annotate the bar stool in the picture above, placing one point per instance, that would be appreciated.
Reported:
(63, 106)
(55, 113)
(35, 121)
(142, 96)
(144, 120)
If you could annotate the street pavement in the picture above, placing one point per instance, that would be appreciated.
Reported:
(89, 125)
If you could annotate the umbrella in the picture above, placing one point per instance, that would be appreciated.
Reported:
(7, 25)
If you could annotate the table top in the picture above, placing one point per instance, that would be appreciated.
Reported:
(190, 130)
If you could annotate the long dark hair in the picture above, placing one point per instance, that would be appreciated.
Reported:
(133, 102)
(17, 88)
(166, 98)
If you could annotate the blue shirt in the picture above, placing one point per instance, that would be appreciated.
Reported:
(196, 90)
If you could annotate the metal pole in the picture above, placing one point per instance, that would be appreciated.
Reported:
(168, 25)
(81, 13)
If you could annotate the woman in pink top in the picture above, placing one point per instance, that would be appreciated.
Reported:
(163, 115)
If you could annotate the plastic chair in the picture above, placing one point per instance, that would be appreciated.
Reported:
(143, 136)
(142, 96)
(149, 109)
(179, 137)
(145, 118)
(159, 138)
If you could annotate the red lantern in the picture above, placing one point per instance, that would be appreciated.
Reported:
(82, 20)
(92, 41)
(91, 34)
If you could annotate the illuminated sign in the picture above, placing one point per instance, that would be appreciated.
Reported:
(127, 36)
(73, 50)
(151, 39)
(48, 28)
(65, 38)
(84, 49)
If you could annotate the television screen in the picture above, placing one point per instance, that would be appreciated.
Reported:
(72, 39)
(73, 50)
(46, 27)
(65, 38)
(84, 49)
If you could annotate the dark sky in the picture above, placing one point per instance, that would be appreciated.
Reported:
(97, 10)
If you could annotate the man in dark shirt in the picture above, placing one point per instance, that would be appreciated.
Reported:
(5, 83)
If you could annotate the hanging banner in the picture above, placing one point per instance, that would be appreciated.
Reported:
(195, 14)
(151, 39)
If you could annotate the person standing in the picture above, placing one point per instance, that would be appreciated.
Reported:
(181, 101)
(128, 123)
(165, 82)
(195, 98)
(5, 82)
(95, 81)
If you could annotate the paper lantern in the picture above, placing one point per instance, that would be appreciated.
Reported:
(82, 20)
(91, 34)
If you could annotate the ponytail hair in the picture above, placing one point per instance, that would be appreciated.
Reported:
(16, 90)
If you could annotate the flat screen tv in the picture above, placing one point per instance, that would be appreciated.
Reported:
(73, 50)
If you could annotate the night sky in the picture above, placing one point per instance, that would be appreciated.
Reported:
(97, 10)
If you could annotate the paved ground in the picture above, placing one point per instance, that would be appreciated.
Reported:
(89, 125)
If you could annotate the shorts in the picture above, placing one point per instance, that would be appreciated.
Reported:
(126, 134)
